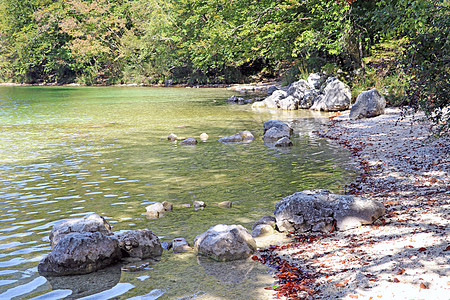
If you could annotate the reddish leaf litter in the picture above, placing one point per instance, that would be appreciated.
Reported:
(403, 255)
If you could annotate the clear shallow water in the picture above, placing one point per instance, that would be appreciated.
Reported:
(66, 152)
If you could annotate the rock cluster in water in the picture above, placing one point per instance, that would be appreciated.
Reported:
(318, 92)
(85, 245)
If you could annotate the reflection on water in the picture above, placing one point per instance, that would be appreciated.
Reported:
(69, 152)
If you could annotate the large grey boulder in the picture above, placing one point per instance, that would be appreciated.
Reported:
(274, 130)
(225, 243)
(80, 253)
(272, 101)
(336, 96)
(315, 80)
(140, 243)
(321, 210)
(368, 104)
(288, 103)
(311, 96)
(297, 89)
(90, 223)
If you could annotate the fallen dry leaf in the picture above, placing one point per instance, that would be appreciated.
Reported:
(401, 272)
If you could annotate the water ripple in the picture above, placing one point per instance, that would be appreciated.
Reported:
(24, 288)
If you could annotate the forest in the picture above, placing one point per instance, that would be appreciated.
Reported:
(399, 46)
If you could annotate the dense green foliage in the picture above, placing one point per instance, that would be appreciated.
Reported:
(398, 46)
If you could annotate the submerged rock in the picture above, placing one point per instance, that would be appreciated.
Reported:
(188, 142)
(242, 136)
(225, 204)
(225, 243)
(284, 142)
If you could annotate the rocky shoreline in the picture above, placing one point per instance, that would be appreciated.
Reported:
(404, 255)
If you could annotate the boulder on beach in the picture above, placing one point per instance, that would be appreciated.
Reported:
(81, 253)
(289, 103)
(336, 96)
(368, 104)
(225, 243)
(297, 89)
(322, 211)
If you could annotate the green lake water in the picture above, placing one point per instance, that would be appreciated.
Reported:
(66, 152)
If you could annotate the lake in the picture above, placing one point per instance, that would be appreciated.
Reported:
(66, 152)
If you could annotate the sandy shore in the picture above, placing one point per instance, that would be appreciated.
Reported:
(406, 254)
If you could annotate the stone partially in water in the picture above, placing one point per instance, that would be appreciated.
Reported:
(321, 210)
(180, 245)
(168, 206)
(188, 142)
(90, 223)
(262, 229)
(141, 243)
(172, 137)
(155, 210)
(225, 243)
(199, 205)
(266, 220)
(284, 142)
(225, 204)
(80, 253)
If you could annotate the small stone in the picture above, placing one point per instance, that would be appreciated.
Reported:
(199, 205)
(225, 204)
(284, 142)
(266, 220)
(168, 206)
(204, 137)
(186, 205)
(166, 245)
(180, 245)
(246, 135)
(189, 141)
(261, 230)
(172, 137)
(155, 210)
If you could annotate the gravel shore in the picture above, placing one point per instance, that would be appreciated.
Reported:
(406, 254)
